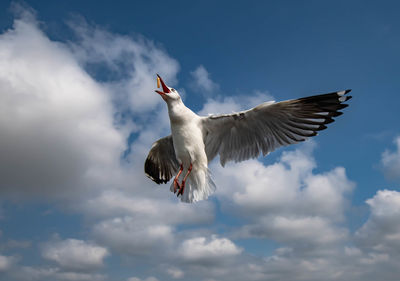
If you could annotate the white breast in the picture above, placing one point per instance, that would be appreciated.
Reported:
(188, 143)
(187, 135)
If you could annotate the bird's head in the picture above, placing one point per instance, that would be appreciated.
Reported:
(168, 94)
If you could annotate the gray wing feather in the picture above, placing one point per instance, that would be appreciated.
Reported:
(161, 163)
(262, 129)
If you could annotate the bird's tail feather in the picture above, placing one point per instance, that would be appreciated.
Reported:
(199, 186)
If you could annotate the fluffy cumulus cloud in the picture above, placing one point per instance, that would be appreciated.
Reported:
(227, 104)
(202, 81)
(117, 204)
(52, 109)
(29, 273)
(286, 200)
(6, 262)
(75, 255)
(391, 161)
(140, 226)
(125, 235)
(133, 64)
(175, 273)
(151, 278)
(381, 232)
(76, 122)
(65, 134)
(212, 251)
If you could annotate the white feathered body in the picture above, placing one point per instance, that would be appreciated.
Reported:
(189, 149)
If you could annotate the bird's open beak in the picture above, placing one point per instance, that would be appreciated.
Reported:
(164, 87)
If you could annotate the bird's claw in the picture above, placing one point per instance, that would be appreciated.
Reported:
(176, 185)
(182, 185)
(181, 189)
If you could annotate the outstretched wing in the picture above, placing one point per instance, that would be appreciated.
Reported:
(262, 129)
(161, 163)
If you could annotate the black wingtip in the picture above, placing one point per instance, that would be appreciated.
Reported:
(150, 170)
(329, 120)
(337, 113)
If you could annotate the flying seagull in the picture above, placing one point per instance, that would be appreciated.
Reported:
(196, 140)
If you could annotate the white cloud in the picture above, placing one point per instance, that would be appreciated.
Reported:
(133, 64)
(73, 254)
(126, 235)
(229, 104)
(208, 251)
(6, 262)
(29, 273)
(116, 203)
(63, 131)
(175, 273)
(151, 278)
(288, 187)
(50, 109)
(295, 230)
(202, 82)
(381, 231)
(391, 161)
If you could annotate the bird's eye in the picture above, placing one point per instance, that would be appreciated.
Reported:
(172, 89)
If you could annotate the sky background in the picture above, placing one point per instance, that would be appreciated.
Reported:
(78, 114)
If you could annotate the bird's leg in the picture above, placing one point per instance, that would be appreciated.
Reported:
(182, 188)
(176, 183)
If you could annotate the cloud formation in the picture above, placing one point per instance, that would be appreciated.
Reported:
(130, 64)
(29, 273)
(151, 278)
(391, 161)
(6, 262)
(228, 104)
(381, 231)
(50, 110)
(75, 255)
(286, 201)
(216, 250)
(202, 82)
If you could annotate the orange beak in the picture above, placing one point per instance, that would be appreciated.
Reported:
(165, 88)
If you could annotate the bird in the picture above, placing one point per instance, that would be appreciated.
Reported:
(196, 140)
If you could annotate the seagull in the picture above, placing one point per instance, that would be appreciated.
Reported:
(196, 140)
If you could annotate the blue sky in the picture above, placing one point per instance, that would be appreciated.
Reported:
(78, 115)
